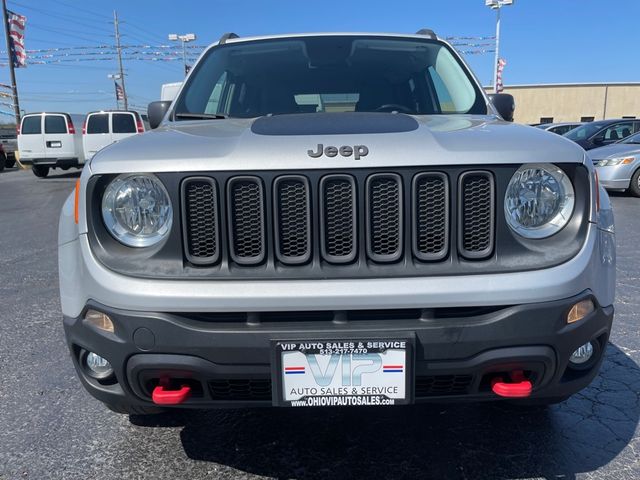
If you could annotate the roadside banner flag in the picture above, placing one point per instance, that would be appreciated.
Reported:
(119, 92)
(501, 64)
(16, 39)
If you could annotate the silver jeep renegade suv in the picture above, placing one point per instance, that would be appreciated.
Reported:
(336, 219)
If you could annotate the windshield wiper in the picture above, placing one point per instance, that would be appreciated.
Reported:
(201, 116)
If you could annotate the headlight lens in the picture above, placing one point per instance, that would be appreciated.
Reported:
(539, 201)
(136, 209)
(610, 162)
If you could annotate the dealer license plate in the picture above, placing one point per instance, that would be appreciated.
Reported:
(312, 373)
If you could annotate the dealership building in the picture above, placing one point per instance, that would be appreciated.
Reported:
(570, 102)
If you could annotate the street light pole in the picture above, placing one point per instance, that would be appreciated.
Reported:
(497, 5)
(184, 39)
(497, 59)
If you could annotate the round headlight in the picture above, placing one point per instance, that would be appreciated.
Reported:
(539, 200)
(136, 209)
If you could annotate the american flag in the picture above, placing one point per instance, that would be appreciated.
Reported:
(16, 39)
(499, 85)
(119, 91)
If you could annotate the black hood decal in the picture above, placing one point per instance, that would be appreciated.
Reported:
(347, 123)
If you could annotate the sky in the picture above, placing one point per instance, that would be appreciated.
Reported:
(543, 41)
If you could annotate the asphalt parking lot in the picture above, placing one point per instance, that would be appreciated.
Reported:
(51, 428)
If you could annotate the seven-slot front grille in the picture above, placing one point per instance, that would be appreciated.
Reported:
(381, 218)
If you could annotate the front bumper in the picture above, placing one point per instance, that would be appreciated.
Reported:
(616, 177)
(227, 360)
(51, 162)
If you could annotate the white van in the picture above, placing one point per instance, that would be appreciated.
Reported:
(169, 91)
(108, 126)
(49, 140)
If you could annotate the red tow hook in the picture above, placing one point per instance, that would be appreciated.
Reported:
(162, 395)
(519, 387)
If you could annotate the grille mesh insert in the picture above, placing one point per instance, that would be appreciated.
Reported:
(338, 218)
(477, 214)
(293, 219)
(247, 221)
(431, 197)
(240, 389)
(435, 385)
(385, 217)
(201, 211)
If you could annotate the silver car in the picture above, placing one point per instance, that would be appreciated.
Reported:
(559, 128)
(335, 219)
(618, 165)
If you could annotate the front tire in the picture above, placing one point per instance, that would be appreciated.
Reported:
(634, 188)
(40, 171)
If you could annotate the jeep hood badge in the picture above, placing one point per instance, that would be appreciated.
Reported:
(357, 151)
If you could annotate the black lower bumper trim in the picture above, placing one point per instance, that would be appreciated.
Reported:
(227, 364)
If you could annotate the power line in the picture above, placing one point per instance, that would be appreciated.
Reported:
(76, 7)
(37, 26)
(69, 18)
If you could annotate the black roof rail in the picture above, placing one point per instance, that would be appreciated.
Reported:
(427, 32)
(227, 36)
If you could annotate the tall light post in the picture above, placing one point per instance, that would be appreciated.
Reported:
(184, 39)
(497, 5)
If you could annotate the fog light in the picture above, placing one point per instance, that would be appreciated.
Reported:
(99, 320)
(580, 310)
(97, 366)
(582, 355)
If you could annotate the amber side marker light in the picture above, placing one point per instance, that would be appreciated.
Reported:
(99, 320)
(76, 209)
(580, 310)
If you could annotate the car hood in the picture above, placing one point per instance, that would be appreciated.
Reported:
(615, 150)
(283, 142)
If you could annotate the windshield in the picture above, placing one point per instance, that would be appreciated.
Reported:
(632, 139)
(329, 74)
(585, 131)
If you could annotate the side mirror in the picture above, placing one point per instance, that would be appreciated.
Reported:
(505, 105)
(598, 139)
(156, 112)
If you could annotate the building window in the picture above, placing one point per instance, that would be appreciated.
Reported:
(546, 119)
(587, 119)
(629, 116)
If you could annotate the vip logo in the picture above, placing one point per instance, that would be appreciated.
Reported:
(357, 151)
(353, 367)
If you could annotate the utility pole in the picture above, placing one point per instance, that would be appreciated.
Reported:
(119, 50)
(12, 72)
